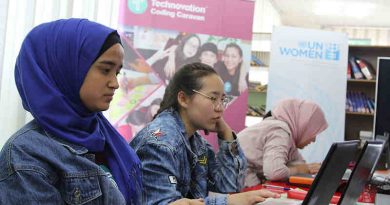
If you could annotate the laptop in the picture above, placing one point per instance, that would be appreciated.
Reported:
(361, 174)
(328, 177)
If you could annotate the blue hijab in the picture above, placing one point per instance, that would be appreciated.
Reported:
(53, 61)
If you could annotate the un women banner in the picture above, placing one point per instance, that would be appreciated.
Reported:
(311, 64)
(160, 36)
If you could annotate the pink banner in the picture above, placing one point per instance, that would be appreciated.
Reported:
(215, 32)
(229, 18)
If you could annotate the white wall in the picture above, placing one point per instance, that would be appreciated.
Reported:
(266, 17)
(17, 18)
(3, 20)
(377, 36)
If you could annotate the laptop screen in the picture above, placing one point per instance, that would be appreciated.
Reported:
(362, 172)
(332, 169)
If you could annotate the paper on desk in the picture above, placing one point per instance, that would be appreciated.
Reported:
(280, 201)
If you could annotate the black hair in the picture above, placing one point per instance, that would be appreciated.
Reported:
(179, 50)
(188, 78)
(149, 115)
(156, 101)
(137, 117)
(209, 47)
(234, 45)
(112, 39)
(268, 114)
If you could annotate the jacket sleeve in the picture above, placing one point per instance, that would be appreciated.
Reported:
(159, 174)
(275, 156)
(227, 167)
(28, 186)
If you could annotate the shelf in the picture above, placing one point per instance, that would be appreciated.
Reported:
(355, 121)
(368, 47)
(360, 81)
(359, 114)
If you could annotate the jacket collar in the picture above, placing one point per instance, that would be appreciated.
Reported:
(73, 148)
(198, 147)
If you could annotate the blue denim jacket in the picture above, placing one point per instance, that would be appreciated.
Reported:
(36, 168)
(174, 166)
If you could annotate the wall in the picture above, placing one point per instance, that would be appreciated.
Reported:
(266, 17)
(17, 18)
(372, 35)
(3, 20)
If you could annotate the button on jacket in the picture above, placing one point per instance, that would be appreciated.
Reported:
(175, 166)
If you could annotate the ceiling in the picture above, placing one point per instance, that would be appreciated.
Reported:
(350, 13)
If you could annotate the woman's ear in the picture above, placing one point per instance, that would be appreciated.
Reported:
(183, 99)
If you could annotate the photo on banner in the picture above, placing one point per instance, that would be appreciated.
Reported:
(159, 37)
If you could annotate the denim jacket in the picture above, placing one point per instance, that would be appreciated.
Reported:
(36, 168)
(175, 166)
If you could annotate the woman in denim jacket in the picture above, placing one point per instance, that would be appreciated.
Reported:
(69, 154)
(178, 165)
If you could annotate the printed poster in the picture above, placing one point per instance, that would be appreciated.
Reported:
(160, 36)
(311, 64)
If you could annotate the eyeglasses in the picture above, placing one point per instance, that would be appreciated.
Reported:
(216, 103)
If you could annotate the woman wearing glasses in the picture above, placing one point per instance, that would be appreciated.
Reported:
(178, 165)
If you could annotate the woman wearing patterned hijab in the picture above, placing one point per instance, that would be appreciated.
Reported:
(69, 153)
(271, 147)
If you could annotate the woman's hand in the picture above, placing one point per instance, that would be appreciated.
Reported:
(186, 201)
(242, 84)
(170, 66)
(250, 197)
(223, 130)
(298, 169)
(160, 54)
(314, 167)
(311, 168)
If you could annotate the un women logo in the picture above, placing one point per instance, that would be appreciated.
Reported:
(137, 6)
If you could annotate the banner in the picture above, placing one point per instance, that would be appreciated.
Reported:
(311, 64)
(160, 36)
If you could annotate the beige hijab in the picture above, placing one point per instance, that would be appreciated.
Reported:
(305, 118)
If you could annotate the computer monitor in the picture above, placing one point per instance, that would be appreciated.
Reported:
(384, 160)
(382, 111)
(328, 177)
(332, 170)
(362, 172)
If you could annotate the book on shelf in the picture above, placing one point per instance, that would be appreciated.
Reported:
(357, 74)
(359, 68)
(359, 102)
(349, 71)
(366, 68)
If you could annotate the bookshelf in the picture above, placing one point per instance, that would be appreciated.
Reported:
(258, 80)
(356, 121)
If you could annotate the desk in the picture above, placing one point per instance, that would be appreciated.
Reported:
(367, 197)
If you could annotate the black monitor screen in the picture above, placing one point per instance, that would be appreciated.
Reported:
(362, 172)
(331, 172)
(382, 111)
(382, 114)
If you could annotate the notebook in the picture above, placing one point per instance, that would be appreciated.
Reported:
(329, 176)
(362, 172)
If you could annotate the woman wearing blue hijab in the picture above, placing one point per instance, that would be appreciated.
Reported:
(66, 75)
